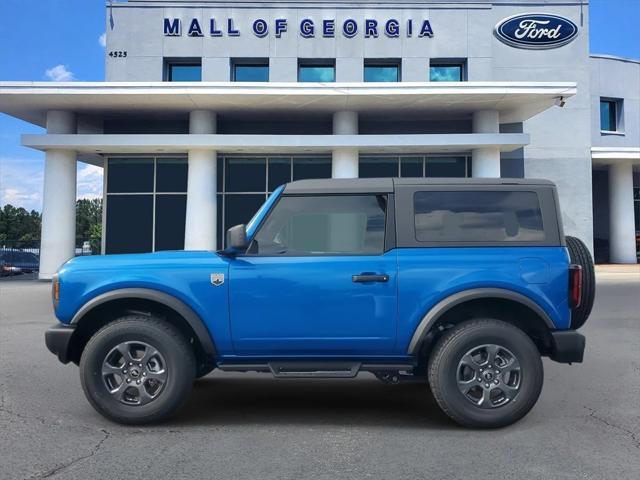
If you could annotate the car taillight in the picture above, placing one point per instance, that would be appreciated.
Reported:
(575, 285)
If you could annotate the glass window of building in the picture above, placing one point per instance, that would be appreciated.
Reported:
(378, 167)
(446, 167)
(609, 114)
(446, 71)
(250, 70)
(317, 71)
(146, 204)
(183, 70)
(381, 166)
(381, 71)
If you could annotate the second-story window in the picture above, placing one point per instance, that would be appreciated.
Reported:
(610, 115)
(447, 70)
(381, 71)
(250, 70)
(317, 71)
(183, 70)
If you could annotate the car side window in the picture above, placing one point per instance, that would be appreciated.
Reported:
(323, 225)
(478, 216)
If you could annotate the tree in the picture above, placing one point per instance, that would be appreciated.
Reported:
(21, 229)
(18, 227)
(89, 223)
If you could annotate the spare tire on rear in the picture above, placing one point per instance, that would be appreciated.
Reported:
(579, 255)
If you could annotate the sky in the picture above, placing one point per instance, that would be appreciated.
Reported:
(63, 40)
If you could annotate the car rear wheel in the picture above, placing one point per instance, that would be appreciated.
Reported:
(485, 373)
(137, 370)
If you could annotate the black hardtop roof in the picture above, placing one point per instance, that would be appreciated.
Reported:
(386, 185)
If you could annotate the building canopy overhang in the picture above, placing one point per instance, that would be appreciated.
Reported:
(514, 101)
(603, 156)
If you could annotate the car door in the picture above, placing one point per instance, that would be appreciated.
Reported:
(316, 280)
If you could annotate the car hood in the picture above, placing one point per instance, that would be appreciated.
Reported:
(139, 260)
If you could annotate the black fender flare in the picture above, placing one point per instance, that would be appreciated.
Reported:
(444, 305)
(191, 317)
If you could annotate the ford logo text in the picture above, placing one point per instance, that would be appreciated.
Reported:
(536, 31)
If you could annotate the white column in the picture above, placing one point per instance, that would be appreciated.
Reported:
(622, 230)
(486, 161)
(345, 160)
(200, 224)
(58, 235)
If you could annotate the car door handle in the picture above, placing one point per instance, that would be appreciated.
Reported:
(369, 277)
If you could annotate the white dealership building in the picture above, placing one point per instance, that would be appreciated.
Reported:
(208, 105)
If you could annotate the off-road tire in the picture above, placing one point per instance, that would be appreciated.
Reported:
(580, 255)
(175, 350)
(443, 373)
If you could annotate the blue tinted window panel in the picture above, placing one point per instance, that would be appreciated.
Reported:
(251, 73)
(608, 116)
(170, 220)
(317, 73)
(445, 73)
(451, 167)
(171, 174)
(411, 167)
(378, 167)
(246, 174)
(312, 167)
(185, 73)
(129, 223)
(382, 73)
(130, 175)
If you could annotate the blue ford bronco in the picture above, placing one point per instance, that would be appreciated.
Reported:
(462, 283)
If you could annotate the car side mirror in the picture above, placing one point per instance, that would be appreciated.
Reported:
(237, 238)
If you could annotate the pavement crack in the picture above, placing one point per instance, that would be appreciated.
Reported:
(64, 466)
(20, 416)
(633, 435)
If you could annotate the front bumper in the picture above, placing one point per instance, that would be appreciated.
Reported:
(57, 339)
(567, 346)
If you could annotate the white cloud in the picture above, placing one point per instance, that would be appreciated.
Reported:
(89, 181)
(21, 182)
(102, 40)
(59, 73)
(18, 197)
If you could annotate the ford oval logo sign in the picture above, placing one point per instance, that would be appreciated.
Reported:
(536, 31)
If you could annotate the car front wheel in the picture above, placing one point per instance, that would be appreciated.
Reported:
(137, 370)
(485, 373)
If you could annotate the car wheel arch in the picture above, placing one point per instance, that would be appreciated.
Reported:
(465, 301)
(109, 306)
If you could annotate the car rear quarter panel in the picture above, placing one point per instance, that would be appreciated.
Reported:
(428, 275)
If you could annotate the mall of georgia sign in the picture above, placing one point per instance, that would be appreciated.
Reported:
(307, 28)
(536, 31)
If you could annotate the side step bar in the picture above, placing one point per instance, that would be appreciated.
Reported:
(284, 369)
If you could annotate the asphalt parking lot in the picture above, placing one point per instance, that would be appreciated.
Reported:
(586, 424)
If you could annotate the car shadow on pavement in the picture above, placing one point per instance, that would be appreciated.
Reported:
(220, 400)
